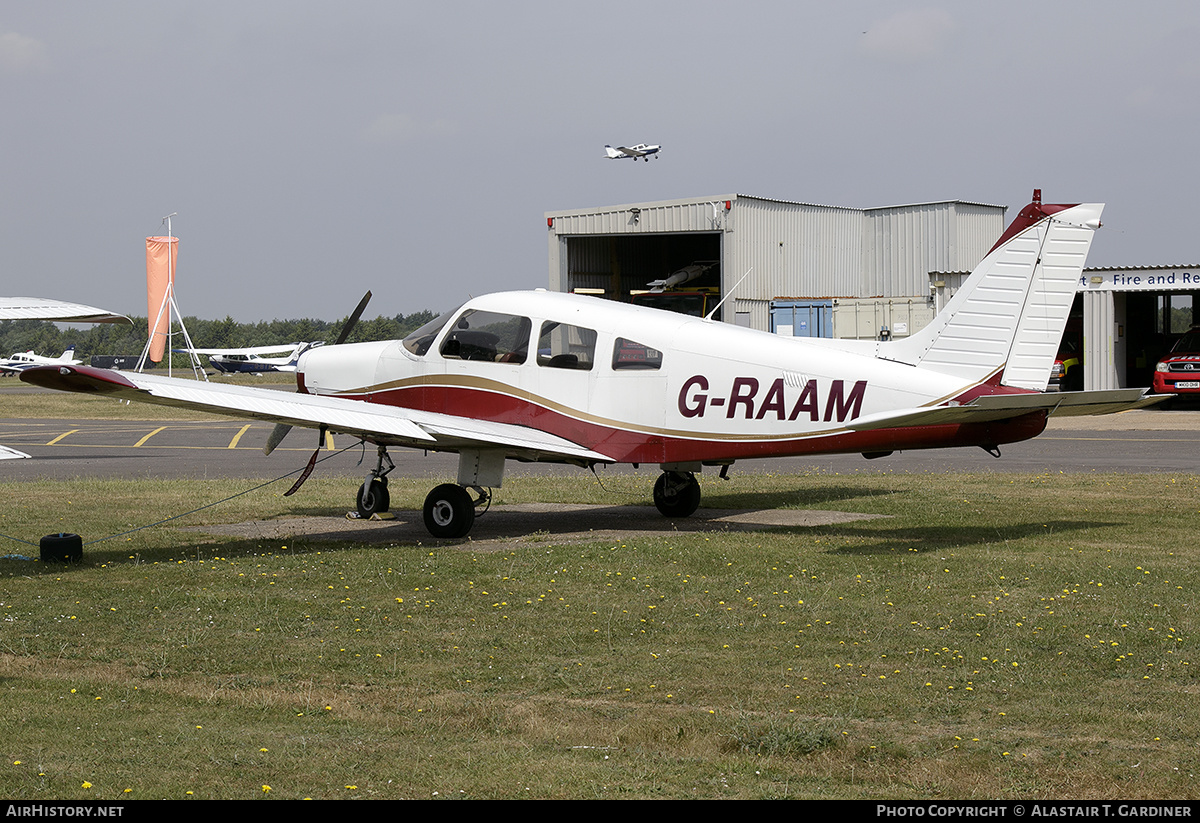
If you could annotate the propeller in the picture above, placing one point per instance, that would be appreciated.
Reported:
(281, 429)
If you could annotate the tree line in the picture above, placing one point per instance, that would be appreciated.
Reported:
(48, 338)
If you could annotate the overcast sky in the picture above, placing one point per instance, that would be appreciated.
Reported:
(314, 150)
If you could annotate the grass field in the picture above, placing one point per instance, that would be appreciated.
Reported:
(992, 637)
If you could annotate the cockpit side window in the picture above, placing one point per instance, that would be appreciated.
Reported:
(563, 346)
(628, 354)
(419, 341)
(489, 337)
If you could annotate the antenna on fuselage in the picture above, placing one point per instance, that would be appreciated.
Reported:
(728, 294)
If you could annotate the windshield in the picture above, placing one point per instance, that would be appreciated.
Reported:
(1190, 342)
(419, 341)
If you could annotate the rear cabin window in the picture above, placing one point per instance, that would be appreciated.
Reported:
(629, 354)
(563, 346)
(488, 336)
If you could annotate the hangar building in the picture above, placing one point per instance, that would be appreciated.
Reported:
(830, 271)
(811, 270)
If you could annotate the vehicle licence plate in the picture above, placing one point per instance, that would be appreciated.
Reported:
(1187, 384)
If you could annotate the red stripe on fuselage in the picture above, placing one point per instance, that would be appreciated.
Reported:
(630, 446)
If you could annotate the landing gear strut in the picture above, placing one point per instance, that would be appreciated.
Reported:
(373, 497)
(677, 494)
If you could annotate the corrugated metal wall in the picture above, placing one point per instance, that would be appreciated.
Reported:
(649, 218)
(1104, 354)
(796, 249)
(905, 243)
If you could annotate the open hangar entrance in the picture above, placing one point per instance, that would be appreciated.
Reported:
(624, 266)
(1132, 317)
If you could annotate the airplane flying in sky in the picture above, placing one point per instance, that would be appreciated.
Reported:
(28, 359)
(545, 376)
(254, 360)
(640, 150)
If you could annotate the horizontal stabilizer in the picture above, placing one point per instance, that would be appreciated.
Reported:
(1006, 406)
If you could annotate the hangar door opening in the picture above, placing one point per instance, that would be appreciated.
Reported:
(1154, 321)
(679, 272)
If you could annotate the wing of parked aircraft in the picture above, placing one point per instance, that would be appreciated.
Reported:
(388, 425)
(41, 308)
(252, 351)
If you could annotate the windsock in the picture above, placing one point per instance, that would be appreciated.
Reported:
(161, 253)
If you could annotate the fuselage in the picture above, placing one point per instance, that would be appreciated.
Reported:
(643, 385)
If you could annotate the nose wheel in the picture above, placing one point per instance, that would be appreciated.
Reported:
(373, 497)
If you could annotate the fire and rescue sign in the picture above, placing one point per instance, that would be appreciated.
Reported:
(1139, 279)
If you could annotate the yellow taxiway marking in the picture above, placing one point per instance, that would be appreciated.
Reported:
(233, 443)
(147, 437)
(329, 441)
(61, 436)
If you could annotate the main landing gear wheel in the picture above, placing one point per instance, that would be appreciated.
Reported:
(677, 494)
(373, 497)
(449, 511)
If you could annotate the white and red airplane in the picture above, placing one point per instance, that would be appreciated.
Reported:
(545, 376)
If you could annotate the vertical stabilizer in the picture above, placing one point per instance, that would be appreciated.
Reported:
(1010, 313)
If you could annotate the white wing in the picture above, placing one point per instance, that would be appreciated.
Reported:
(387, 425)
(40, 308)
(284, 348)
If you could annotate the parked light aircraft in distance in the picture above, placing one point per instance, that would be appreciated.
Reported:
(545, 376)
(41, 308)
(28, 359)
(254, 360)
(640, 150)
